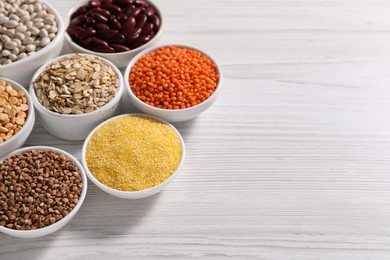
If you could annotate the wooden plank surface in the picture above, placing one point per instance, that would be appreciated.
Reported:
(293, 160)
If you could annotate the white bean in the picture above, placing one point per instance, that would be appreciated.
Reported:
(45, 41)
(43, 33)
(22, 55)
(39, 25)
(27, 41)
(10, 45)
(10, 33)
(12, 57)
(20, 12)
(14, 17)
(19, 36)
(5, 38)
(5, 53)
(53, 29)
(21, 28)
(15, 51)
(34, 30)
(30, 47)
(11, 24)
(18, 42)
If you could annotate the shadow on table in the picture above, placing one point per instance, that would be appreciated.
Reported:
(22, 248)
(185, 128)
(103, 214)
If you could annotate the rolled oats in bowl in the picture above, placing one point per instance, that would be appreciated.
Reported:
(76, 84)
(74, 93)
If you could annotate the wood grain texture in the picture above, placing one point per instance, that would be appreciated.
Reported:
(293, 160)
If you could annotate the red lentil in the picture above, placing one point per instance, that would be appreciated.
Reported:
(173, 78)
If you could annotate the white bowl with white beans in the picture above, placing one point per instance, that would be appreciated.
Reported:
(30, 36)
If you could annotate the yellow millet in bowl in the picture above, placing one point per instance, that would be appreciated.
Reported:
(133, 153)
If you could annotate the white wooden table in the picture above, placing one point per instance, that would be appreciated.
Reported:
(293, 160)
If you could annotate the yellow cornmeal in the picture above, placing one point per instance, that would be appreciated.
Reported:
(132, 153)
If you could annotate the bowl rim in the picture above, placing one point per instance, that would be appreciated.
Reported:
(129, 91)
(59, 223)
(71, 42)
(131, 193)
(30, 115)
(58, 38)
(43, 109)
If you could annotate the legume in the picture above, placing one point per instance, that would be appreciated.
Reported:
(114, 25)
(76, 84)
(13, 110)
(133, 153)
(26, 26)
(173, 78)
(37, 189)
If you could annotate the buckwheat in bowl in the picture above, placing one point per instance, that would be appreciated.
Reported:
(74, 93)
(42, 188)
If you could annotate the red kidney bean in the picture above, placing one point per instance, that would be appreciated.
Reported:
(105, 49)
(80, 10)
(122, 18)
(147, 29)
(102, 26)
(141, 3)
(103, 12)
(100, 18)
(90, 21)
(123, 2)
(105, 33)
(85, 33)
(133, 35)
(116, 38)
(71, 30)
(135, 12)
(140, 41)
(94, 3)
(94, 41)
(141, 20)
(115, 24)
(127, 10)
(113, 9)
(150, 11)
(128, 26)
(120, 47)
(78, 20)
(106, 2)
(155, 20)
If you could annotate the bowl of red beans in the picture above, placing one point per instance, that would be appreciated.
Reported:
(173, 82)
(113, 29)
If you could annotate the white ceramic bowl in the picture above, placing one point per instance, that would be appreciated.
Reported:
(120, 59)
(171, 115)
(61, 223)
(22, 70)
(131, 194)
(75, 127)
(20, 137)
